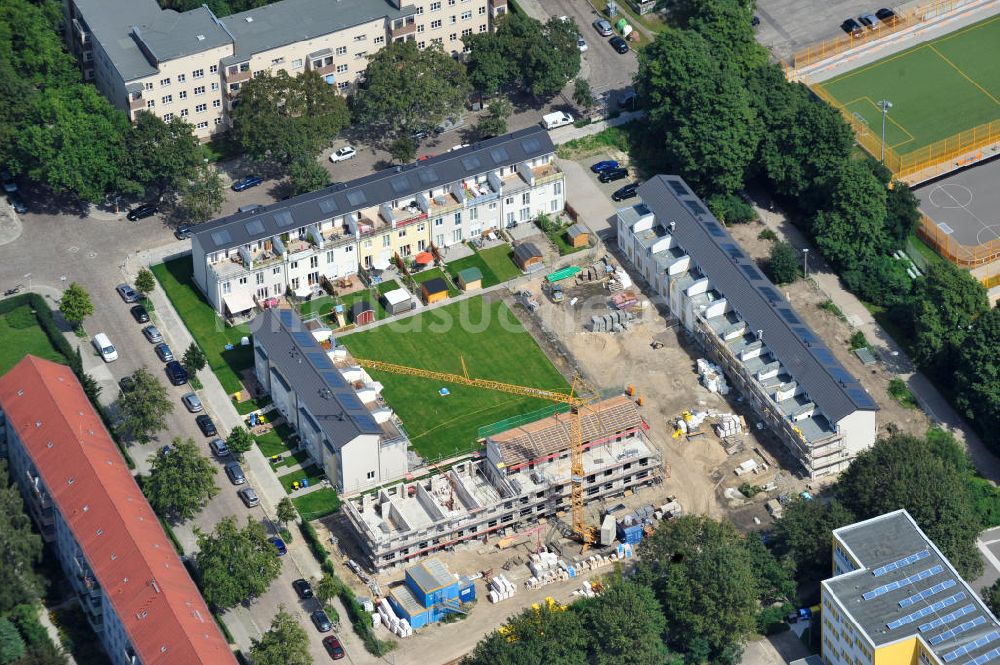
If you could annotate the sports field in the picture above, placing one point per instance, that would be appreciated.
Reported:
(937, 89)
(494, 345)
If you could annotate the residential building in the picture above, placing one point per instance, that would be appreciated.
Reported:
(191, 65)
(524, 477)
(133, 588)
(246, 258)
(806, 397)
(895, 598)
(335, 406)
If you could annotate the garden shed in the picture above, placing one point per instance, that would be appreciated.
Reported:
(578, 236)
(434, 290)
(528, 257)
(397, 301)
(470, 279)
(362, 312)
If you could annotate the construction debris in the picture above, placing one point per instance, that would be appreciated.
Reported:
(712, 377)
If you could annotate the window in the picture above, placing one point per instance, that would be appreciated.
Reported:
(439, 221)
(341, 50)
(329, 256)
(201, 108)
(525, 214)
(435, 24)
(493, 206)
(557, 188)
(435, 6)
(202, 125)
(150, 104)
(167, 117)
(509, 201)
(482, 28)
(420, 28)
(297, 63)
(216, 103)
(295, 283)
(167, 99)
(420, 10)
(181, 78)
(458, 218)
(184, 113)
(473, 214)
(361, 54)
(200, 90)
(215, 86)
(371, 475)
(227, 287)
(453, 19)
(554, 205)
(451, 3)
(341, 69)
(183, 94)
(421, 45)
(213, 69)
(360, 38)
(456, 235)
(421, 244)
(380, 39)
(526, 198)
(259, 277)
(148, 85)
(293, 265)
(453, 37)
(437, 40)
(243, 280)
(198, 73)
(466, 16)
(164, 82)
(401, 233)
(343, 85)
(276, 270)
(482, 10)
(313, 261)
(386, 241)
(277, 61)
(466, 32)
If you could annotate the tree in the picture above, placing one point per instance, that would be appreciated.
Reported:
(681, 561)
(75, 305)
(306, 175)
(882, 282)
(406, 89)
(194, 359)
(626, 626)
(542, 635)
(285, 643)
(494, 123)
(726, 26)
(551, 62)
(235, 565)
(11, 644)
(286, 511)
(947, 301)
(403, 149)
(804, 533)
(850, 229)
(783, 266)
(202, 195)
(239, 441)
(977, 376)
(991, 596)
(327, 588)
(145, 283)
(160, 156)
(144, 409)
(700, 112)
(904, 471)
(180, 482)
(21, 545)
(582, 94)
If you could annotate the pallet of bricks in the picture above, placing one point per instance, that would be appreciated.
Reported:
(500, 588)
(547, 567)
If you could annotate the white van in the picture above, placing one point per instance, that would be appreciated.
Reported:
(556, 119)
(104, 347)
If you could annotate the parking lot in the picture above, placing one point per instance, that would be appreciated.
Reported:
(787, 26)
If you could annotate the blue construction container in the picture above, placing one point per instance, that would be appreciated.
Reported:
(428, 593)
(630, 534)
(466, 590)
(431, 583)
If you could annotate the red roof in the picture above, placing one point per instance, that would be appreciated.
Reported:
(159, 605)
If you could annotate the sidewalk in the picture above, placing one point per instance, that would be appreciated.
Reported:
(570, 132)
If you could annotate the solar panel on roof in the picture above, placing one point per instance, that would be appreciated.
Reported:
(892, 586)
(356, 197)
(947, 618)
(254, 226)
(957, 630)
(985, 658)
(319, 360)
(303, 339)
(860, 397)
(927, 593)
(400, 184)
(283, 218)
(678, 187)
(367, 423)
(769, 293)
(531, 146)
(805, 335)
(427, 175)
(500, 155)
(285, 316)
(824, 356)
(350, 401)
(699, 209)
(840, 374)
(971, 646)
(471, 163)
(327, 204)
(333, 378)
(221, 238)
(751, 272)
(788, 315)
(930, 609)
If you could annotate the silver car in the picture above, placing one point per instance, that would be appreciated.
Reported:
(152, 333)
(249, 497)
(127, 293)
(192, 402)
(603, 28)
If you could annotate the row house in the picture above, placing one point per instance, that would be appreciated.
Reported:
(246, 258)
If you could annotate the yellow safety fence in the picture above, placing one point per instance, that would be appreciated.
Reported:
(904, 19)
(963, 256)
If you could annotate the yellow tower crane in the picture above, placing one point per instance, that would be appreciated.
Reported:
(576, 404)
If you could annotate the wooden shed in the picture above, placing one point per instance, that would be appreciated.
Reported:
(434, 290)
(470, 279)
(362, 312)
(578, 236)
(528, 257)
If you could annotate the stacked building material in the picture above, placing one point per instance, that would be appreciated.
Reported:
(500, 588)
(614, 321)
(712, 377)
(729, 425)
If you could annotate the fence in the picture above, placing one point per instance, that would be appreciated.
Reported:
(904, 19)
(963, 256)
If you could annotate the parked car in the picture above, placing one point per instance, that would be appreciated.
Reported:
(9, 185)
(887, 16)
(333, 647)
(581, 44)
(163, 352)
(219, 448)
(755, 21)
(613, 174)
(192, 402)
(246, 183)
(140, 314)
(249, 497)
(17, 203)
(234, 470)
(557, 119)
(619, 44)
(626, 192)
(345, 153)
(418, 136)
(152, 334)
(279, 545)
(852, 27)
(321, 621)
(603, 28)
(182, 232)
(303, 588)
(105, 348)
(142, 212)
(176, 373)
(457, 147)
(206, 425)
(868, 20)
(127, 293)
(605, 165)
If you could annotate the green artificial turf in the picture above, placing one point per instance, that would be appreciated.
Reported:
(937, 89)
(494, 345)
(22, 335)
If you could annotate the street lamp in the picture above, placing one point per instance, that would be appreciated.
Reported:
(885, 105)
(805, 261)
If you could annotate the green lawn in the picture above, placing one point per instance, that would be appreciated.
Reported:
(937, 89)
(324, 305)
(208, 329)
(317, 504)
(494, 345)
(22, 335)
(312, 473)
(500, 259)
(275, 442)
(558, 239)
(248, 405)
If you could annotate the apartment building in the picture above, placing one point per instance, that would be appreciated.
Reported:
(335, 406)
(191, 65)
(895, 599)
(818, 410)
(523, 478)
(132, 587)
(245, 258)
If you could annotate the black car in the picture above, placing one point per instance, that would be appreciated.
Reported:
(176, 373)
(247, 182)
(618, 44)
(321, 621)
(852, 27)
(206, 425)
(17, 203)
(612, 175)
(303, 588)
(142, 212)
(182, 232)
(887, 16)
(626, 192)
(140, 314)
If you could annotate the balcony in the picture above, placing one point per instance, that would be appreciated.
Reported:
(298, 245)
(136, 102)
(498, 7)
(336, 234)
(476, 194)
(81, 34)
(546, 173)
(445, 203)
(237, 76)
(402, 27)
(228, 268)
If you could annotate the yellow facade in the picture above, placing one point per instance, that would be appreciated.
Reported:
(387, 242)
(904, 652)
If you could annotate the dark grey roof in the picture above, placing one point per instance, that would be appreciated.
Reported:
(316, 382)
(906, 587)
(386, 185)
(290, 21)
(755, 299)
(526, 250)
(436, 285)
(110, 22)
(172, 35)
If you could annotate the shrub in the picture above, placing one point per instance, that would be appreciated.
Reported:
(858, 340)
(783, 266)
(767, 234)
(731, 209)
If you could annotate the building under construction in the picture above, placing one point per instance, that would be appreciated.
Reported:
(523, 478)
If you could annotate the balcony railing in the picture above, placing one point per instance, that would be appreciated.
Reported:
(547, 173)
(136, 103)
(238, 76)
(408, 28)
